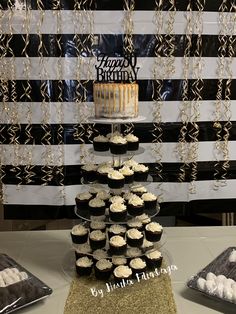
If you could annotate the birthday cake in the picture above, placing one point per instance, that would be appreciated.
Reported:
(115, 100)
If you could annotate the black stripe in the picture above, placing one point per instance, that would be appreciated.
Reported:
(72, 175)
(171, 90)
(111, 5)
(112, 44)
(35, 212)
(49, 134)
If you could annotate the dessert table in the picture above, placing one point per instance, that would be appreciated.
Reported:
(49, 256)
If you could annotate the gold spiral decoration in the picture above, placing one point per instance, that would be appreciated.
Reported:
(128, 23)
(185, 110)
(197, 88)
(223, 104)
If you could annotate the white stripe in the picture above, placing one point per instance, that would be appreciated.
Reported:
(14, 155)
(87, 71)
(171, 192)
(105, 22)
(68, 112)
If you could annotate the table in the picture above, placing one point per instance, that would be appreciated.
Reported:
(48, 255)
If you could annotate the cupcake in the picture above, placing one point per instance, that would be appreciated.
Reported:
(128, 195)
(79, 234)
(89, 172)
(100, 143)
(134, 237)
(153, 259)
(97, 207)
(116, 199)
(135, 223)
(153, 231)
(82, 200)
(130, 163)
(133, 142)
(147, 245)
(150, 201)
(128, 174)
(103, 269)
(135, 206)
(114, 230)
(84, 266)
(118, 212)
(144, 219)
(118, 260)
(104, 195)
(82, 250)
(117, 245)
(116, 180)
(140, 172)
(122, 272)
(138, 265)
(97, 225)
(118, 145)
(138, 189)
(97, 239)
(99, 254)
(102, 173)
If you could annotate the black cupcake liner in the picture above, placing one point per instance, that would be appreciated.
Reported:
(116, 184)
(135, 210)
(129, 179)
(102, 178)
(84, 271)
(118, 149)
(133, 145)
(89, 176)
(100, 146)
(79, 239)
(82, 204)
(140, 176)
(97, 244)
(134, 242)
(150, 205)
(97, 211)
(153, 263)
(118, 216)
(102, 274)
(153, 236)
(117, 250)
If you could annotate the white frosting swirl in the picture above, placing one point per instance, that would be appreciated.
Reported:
(148, 197)
(117, 139)
(103, 195)
(96, 202)
(130, 163)
(144, 218)
(134, 223)
(117, 207)
(97, 225)
(128, 195)
(138, 188)
(84, 262)
(116, 199)
(135, 201)
(116, 229)
(140, 168)
(115, 175)
(105, 169)
(147, 244)
(126, 171)
(116, 133)
(122, 271)
(103, 264)
(117, 241)
(100, 138)
(133, 252)
(83, 248)
(79, 230)
(97, 235)
(89, 167)
(154, 254)
(84, 196)
(137, 263)
(154, 227)
(118, 260)
(99, 254)
(131, 138)
(134, 234)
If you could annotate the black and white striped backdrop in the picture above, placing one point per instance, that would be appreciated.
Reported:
(48, 51)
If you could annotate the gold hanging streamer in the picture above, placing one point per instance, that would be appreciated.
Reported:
(185, 110)
(222, 106)
(128, 6)
(197, 87)
(163, 68)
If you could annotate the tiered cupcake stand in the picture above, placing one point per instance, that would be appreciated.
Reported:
(86, 219)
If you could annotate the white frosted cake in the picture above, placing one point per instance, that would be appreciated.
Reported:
(115, 100)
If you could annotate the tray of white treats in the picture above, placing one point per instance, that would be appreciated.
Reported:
(218, 279)
(18, 287)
